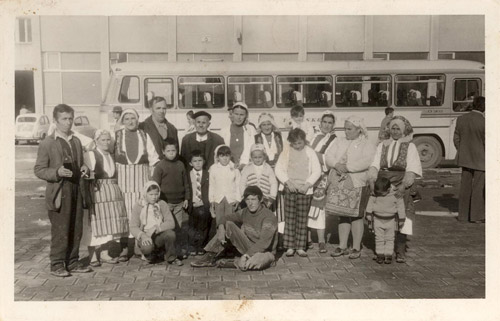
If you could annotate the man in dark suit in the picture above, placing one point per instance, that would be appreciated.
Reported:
(60, 163)
(470, 143)
(203, 140)
(158, 127)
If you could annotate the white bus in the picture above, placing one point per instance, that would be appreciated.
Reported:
(431, 94)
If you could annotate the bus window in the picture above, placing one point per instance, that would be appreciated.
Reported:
(306, 91)
(255, 92)
(129, 90)
(465, 91)
(201, 92)
(163, 87)
(419, 90)
(363, 91)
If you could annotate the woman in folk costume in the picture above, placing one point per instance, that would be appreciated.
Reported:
(397, 158)
(320, 143)
(349, 158)
(134, 155)
(108, 216)
(269, 137)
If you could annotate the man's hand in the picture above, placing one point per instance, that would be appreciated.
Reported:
(85, 170)
(221, 234)
(64, 172)
(185, 205)
(243, 262)
(401, 222)
(146, 240)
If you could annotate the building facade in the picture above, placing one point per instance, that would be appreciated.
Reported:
(66, 59)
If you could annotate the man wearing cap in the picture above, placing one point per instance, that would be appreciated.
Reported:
(158, 127)
(256, 239)
(202, 139)
(239, 136)
(117, 112)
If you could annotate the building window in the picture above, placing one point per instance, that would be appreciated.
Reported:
(446, 55)
(408, 55)
(381, 55)
(363, 91)
(23, 30)
(270, 57)
(72, 78)
(343, 56)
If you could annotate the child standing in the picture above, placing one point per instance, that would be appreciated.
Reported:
(152, 224)
(385, 208)
(297, 113)
(173, 179)
(298, 168)
(259, 173)
(224, 187)
(199, 210)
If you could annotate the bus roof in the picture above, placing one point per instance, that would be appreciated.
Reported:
(326, 67)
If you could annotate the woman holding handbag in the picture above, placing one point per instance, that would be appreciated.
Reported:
(347, 195)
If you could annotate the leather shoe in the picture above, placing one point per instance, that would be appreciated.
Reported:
(79, 268)
(207, 260)
(60, 272)
(176, 262)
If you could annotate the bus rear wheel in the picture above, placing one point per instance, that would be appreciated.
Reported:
(429, 150)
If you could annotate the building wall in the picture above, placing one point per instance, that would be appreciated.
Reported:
(76, 51)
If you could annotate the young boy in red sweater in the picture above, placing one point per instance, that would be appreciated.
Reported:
(173, 178)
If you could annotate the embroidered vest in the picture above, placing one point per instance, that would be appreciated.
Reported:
(120, 155)
(325, 146)
(400, 163)
(99, 166)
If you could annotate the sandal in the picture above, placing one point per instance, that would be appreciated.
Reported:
(290, 252)
(302, 253)
(339, 252)
(322, 247)
(355, 254)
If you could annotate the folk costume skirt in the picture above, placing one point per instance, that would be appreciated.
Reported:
(343, 199)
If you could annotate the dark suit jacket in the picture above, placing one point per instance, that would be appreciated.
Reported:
(48, 161)
(149, 127)
(204, 189)
(189, 144)
(469, 140)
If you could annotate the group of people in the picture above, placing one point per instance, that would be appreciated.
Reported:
(246, 188)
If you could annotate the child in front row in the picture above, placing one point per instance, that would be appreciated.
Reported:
(199, 210)
(224, 186)
(152, 224)
(173, 179)
(259, 173)
(384, 209)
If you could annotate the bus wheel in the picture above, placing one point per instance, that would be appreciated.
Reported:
(429, 150)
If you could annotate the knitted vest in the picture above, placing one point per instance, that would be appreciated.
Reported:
(400, 163)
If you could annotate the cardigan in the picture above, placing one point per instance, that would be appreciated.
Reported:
(313, 172)
(266, 181)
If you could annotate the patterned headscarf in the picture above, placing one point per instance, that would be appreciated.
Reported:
(267, 117)
(402, 123)
(359, 123)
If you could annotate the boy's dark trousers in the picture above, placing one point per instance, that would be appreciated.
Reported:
(200, 221)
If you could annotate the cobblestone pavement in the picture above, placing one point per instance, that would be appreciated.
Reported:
(446, 259)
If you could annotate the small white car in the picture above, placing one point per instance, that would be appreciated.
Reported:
(31, 128)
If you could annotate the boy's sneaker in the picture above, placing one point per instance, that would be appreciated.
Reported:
(380, 259)
(207, 260)
(388, 260)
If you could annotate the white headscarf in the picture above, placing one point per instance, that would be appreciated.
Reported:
(128, 111)
(359, 123)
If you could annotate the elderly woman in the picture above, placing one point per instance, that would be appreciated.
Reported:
(134, 154)
(397, 159)
(349, 159)
(108, 216)
(269, 137)
(320, 143)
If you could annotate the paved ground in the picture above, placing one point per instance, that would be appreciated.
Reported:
(446, 259)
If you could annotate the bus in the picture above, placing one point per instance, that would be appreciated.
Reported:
(430, 94)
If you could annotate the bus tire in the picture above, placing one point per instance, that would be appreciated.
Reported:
(430, 151)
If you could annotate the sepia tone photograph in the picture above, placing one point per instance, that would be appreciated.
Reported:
(211, 158)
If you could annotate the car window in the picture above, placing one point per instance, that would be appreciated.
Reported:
(85, 120)
(41, 121)
(26, 120)
(77, 121)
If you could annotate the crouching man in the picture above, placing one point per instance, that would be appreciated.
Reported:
(256, 239)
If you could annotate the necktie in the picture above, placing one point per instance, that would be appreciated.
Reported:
(198, 185)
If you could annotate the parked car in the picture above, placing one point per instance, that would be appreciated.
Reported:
(82, 125)
(31, 127)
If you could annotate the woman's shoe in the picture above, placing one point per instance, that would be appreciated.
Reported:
(380, 259)
(95, 264)
(176, 262)
(310, 245)
(113, 260)
(290, 252)
(123, 258)
(302, 253)
(400, 258)
(339, 252)
(322, 247)
(355, 254)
